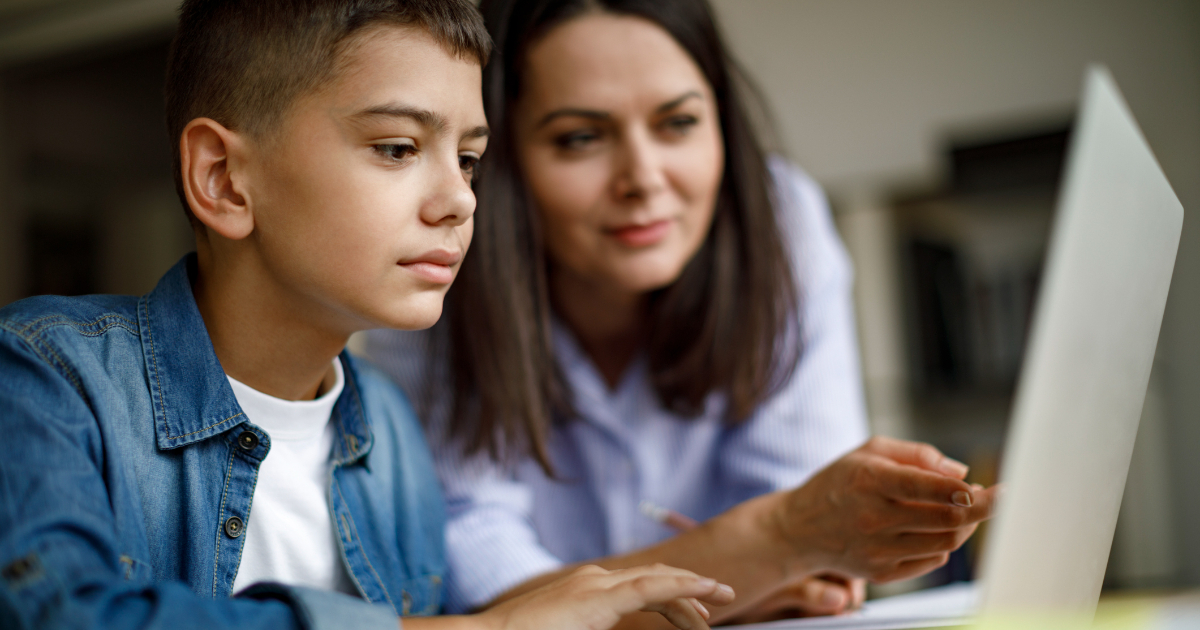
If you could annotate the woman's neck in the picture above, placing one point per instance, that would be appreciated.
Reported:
(610, 325)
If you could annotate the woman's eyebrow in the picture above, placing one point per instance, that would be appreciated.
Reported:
(595, 114)
(672, 104)
(572, 111)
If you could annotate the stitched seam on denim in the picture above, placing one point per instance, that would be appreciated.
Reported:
(40, 347)
(345, 557)
(157, 379)
(212, 426)
(341, 427)
(352, 385)
(128, 562)
(362, 551)
(249, 512)
(341, 542)
(221, 521)
(31, 334)
(32, 328)
(101, 331)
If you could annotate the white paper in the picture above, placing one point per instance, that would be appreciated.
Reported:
(949, 605)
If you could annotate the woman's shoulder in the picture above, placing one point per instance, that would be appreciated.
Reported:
(806, 223)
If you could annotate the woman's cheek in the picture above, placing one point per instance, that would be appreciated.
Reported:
(570, 190)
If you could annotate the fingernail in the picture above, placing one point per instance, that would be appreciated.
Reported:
(954, 467)
(831, 598)
(700, 608)
(961, 499)
(725, 589)
(976, 487)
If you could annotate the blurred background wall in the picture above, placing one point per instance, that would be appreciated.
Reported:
(936, 126)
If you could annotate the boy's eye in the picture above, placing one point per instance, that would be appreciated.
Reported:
(577, 140)
(468, 162)
(395, 152)
(679, 125)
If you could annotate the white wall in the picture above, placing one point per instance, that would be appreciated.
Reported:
(864, 91)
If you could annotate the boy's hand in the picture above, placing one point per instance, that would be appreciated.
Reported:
(814, 596)
(591, 598)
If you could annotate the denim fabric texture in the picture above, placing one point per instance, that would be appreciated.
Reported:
(126, 478)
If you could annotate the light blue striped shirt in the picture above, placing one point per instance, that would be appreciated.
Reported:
(507, 525)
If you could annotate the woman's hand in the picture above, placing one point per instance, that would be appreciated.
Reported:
(814, 596)
(591, 598)
(889, 510)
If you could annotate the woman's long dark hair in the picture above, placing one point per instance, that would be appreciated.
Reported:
(720, 326)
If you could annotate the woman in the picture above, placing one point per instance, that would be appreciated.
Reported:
(653, 311)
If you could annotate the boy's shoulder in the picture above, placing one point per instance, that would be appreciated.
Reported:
(33, 318)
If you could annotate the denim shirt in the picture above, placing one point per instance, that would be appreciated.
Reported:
(127, 471)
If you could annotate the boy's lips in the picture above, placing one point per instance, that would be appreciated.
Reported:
(641, 235)
(436, 266)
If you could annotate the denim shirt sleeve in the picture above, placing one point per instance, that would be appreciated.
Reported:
(60, 566)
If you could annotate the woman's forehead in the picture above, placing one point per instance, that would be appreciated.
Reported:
(600, 58)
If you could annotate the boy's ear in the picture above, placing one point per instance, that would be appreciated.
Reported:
(210, 157)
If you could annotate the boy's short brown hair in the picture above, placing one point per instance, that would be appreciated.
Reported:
(244, 62)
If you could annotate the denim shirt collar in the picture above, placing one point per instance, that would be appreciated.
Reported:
(191, 395)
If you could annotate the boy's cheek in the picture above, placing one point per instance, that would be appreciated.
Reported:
(465, 232)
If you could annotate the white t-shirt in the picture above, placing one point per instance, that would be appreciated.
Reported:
(289, 536)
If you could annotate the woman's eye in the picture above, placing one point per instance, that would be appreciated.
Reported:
(396, 152)
(468, 163)
(577, 140)
(680, 125)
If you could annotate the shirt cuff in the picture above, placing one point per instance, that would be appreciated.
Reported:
(326, 610)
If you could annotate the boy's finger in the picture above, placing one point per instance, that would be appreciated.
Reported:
(720, 596)
(858, 592)
(823, 597)
(646, 590)
(700, 587)
(681, 613)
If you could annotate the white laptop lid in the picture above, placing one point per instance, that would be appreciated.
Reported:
(1086, 366)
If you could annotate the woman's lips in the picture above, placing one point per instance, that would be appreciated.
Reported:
(435, 266)
(641, 235)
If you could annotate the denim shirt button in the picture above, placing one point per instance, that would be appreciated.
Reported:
(247, 440)
(234, 527)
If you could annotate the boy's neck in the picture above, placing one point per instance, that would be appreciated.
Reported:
(258, 331)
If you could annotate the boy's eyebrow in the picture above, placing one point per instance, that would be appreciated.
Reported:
(600, 115)
(423, 117)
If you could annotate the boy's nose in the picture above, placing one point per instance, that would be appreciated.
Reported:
(452, 202)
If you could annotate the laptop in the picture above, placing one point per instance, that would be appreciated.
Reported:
(1081, 387)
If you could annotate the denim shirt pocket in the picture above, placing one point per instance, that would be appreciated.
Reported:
(134, 570)
(421, 595)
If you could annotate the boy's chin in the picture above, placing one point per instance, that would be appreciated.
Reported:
(412, 316)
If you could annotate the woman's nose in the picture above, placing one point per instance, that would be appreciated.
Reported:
(639, 173)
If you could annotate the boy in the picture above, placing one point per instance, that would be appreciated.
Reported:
(211, 439)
